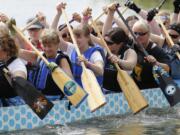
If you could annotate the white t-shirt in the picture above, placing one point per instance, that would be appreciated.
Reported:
(17, 65)
(96, 55)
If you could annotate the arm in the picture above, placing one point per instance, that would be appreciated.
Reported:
(157, 39)
(20, 74)
(28, 55)
(96, 63)
(108, 21)
(176, 4)
(129, 61)
(57, 16)
(66, 67)
(42, 19)
(96, 67)
(121, 25)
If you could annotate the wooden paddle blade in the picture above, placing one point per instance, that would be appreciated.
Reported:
(37, 101)
(167, 85)
(70, 88)
(95, 98)
(132, 93)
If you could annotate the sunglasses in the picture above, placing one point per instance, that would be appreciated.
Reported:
(65, 35)
(173, 36)
(109, 42)
(140, 33)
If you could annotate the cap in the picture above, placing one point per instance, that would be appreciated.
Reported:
(36, 25)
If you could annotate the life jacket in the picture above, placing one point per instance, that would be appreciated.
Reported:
(142, 73)
(41, 75)
(174, 64)
(175, 68)
(110, 73)
(6, 90)
(76, 67)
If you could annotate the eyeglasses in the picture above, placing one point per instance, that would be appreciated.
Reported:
(173, 36)
(140, 33)
(109, 42)
(33, 29)
(65, 35)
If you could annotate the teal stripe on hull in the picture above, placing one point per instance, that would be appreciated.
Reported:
(22, 117)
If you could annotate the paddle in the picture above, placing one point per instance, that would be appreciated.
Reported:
(36, 100)
(160, 5)
(168, 37)
(96, 98)
(132, 93)
(69, 87)
(166, 83)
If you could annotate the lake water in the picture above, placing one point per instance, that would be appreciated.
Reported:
(151, 122)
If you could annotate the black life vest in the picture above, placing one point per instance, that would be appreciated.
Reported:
(110, 73)
(6, 91)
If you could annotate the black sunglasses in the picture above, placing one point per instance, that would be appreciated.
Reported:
(65, 35)
(173, 36)
(109, 42)
(140, 33)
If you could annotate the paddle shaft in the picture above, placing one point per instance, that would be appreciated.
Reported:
(171, 43)
(160, 5)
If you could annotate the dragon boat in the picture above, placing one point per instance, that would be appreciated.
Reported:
(22, 117)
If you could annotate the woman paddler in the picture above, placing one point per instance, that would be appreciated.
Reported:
(9, 60)
(92, 53)
(143, 71)
(117, 41)
(41, 77)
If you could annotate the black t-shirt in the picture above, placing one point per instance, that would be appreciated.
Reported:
(142, 73)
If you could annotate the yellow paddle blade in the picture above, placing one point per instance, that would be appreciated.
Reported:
(132, 93)
(95, 97)
(70, 88)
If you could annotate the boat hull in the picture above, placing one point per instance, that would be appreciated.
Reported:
(22, 117)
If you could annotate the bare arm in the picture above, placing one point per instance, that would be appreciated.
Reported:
(108, 22)
(157, 39)
(121, 24)
(65, 66)
(57, 16)
(28, 55)
(129, 61)
(20, 74)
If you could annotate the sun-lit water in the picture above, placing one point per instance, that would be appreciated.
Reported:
(151, 122)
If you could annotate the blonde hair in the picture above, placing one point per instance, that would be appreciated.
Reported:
(50, 36)
(142, 24)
